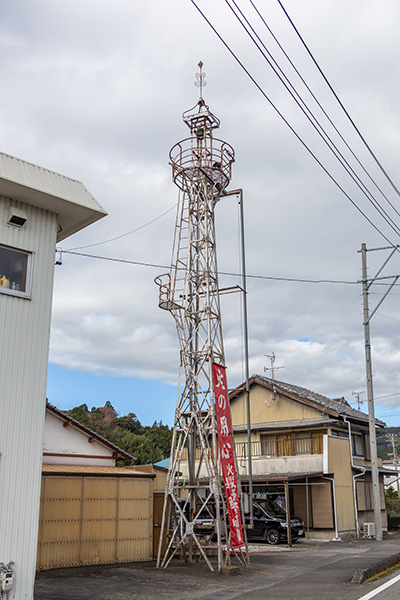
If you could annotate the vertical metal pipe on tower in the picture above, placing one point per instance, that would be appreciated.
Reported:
(195, 516)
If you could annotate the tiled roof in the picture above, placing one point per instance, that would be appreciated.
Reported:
(338, 405)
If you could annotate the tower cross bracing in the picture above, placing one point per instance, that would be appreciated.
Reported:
(195, 514)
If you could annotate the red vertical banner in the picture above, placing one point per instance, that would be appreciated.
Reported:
(226, 450)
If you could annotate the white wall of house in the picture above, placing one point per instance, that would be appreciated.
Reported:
(24, 343)
(52, 205)
(67, 445)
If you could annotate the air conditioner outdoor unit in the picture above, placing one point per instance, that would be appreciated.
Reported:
(369, 530)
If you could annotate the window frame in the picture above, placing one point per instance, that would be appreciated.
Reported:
(28, 276)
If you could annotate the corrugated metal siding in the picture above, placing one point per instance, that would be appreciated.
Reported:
(48, 182)
(94, 520)
(24, 342)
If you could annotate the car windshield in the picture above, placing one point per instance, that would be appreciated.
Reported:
(272, 508)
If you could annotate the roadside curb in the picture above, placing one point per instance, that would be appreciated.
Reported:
(362, 575)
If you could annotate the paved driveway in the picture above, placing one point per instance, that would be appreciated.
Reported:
(309, 570)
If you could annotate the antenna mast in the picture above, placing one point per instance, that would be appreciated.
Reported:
(201, 168)
(272, 368)
(358, 396)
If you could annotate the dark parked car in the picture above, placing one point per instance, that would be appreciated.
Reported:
(269, 521)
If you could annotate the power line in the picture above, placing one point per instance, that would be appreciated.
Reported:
(320, 105)
(386, 317)
(118, 237)
(60, 251)
(339, 101)
(310, 116)
(230, 274)
(258, 86)
(388, 396)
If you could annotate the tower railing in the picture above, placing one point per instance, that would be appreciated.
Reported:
(210, 159)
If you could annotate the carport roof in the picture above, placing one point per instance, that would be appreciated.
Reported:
(277, 477)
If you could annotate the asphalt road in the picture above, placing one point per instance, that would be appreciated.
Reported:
(310, 570)
(384, 593)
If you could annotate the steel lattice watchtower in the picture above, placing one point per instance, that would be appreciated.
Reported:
(201, 168)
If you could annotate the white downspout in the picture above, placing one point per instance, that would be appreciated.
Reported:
(353, 466)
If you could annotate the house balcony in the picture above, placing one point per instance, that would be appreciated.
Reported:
(282, 456)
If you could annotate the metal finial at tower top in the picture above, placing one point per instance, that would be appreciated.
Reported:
(200, 79)
(200, 118)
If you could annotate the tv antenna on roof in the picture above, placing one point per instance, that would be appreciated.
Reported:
(272, 368)
(358, 395)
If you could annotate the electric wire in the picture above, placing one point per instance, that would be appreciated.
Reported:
(321, 107)
(387, 396)
(60, 251)
(227, 273)
(339, 101)
(315, 123)
(297, 135)
(386, 317)
(118, 237)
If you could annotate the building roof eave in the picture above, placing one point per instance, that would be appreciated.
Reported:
(68, 198)
(295, 424)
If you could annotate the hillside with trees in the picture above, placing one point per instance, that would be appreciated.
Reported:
(148, 444)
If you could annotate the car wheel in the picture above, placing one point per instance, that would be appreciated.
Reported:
(272, 536)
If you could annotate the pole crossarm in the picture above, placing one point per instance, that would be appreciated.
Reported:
(368, 282)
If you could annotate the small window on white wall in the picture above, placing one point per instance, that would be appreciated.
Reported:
(15, 271)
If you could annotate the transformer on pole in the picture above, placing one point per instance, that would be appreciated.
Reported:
(195, 515)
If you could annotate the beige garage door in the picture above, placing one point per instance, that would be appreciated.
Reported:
(94, 520)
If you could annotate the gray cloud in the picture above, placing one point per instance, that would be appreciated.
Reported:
(96, 90)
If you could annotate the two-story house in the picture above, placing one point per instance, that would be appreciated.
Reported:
(315, 446)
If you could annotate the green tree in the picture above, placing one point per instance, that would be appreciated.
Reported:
(148, 444)
(131, 423)
(80, 413)
(392, 502)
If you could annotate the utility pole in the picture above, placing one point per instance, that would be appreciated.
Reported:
(392, 438)
(366, 284)
(376, 501)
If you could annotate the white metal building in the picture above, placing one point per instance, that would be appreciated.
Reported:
(38, 208)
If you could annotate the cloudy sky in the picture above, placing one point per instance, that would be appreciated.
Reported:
(95, 90)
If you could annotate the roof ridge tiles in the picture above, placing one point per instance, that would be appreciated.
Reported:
(339, 405)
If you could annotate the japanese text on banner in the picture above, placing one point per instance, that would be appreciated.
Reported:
(225, 440)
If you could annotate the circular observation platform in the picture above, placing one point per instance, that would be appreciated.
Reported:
(209, 160)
